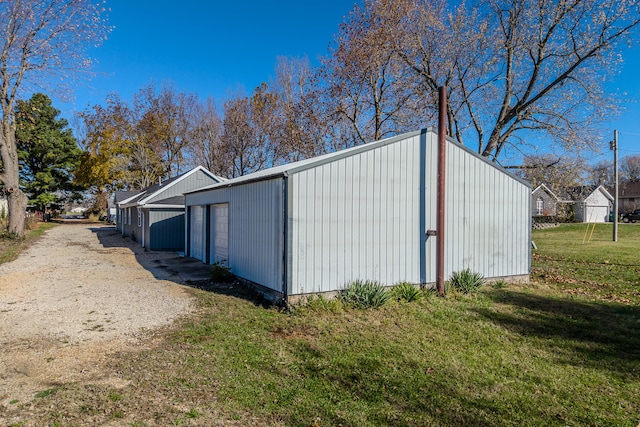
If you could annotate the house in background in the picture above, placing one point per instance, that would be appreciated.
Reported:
(120, 196)
(590, 203)
(366, 213)
(111, 210)
(155, 215)
(544, 202)
(629, 197)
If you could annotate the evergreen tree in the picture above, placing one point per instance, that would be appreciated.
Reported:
(47, 151)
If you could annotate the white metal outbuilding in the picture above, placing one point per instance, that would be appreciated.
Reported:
(363, 213)
(594, 205)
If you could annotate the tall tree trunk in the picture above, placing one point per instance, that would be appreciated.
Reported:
(17, 207)
(10, 178)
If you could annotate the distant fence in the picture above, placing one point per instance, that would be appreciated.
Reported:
(540, 222)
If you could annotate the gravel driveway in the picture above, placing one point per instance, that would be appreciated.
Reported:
(79, 294)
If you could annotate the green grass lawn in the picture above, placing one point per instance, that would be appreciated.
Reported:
(563, 350)
(582, 260)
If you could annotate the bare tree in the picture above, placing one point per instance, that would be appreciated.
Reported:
(257, 131)
(630, 168)
(513, 67)
(263, 119)
(553, 57)
(39, 39)
(366, 80)
(601, 174)
(164, 120)
(145, 166)
(133, 145)
(447, 46)
(207, 148)
(300, 130)
(239, 139)
(558, 173)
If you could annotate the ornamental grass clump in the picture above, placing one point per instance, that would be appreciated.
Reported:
(320, 303)
(466, 281)
(500, 284)
(364, 294)
(221, 273)
(406, 292)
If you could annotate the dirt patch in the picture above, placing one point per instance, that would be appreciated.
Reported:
(73, 299)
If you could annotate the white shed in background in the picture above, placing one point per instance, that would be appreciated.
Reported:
(591, 203)
(363, 213)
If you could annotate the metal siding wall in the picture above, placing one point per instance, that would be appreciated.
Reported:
(165, 229)
(146, 218)
(133, 227)
(137, 221)
(356, 218)
(190, 183)
(125, 230)
(359, 218)
(455, 213)
(488, 212)
(256, 232)
(431, 162)
(120, 222)
(258, 241)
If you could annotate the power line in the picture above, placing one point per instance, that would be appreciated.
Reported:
(629, 133)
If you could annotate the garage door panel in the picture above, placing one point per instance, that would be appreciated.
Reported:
(220, 233)
(197, 241)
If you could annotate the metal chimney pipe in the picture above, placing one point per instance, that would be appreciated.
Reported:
(440, 202)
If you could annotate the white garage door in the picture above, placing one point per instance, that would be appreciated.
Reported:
(220, 233)
(597, 213)
(196, 233)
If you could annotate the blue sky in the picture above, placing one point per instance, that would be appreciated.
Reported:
(212, 48)
(627, 85)
(216, 48)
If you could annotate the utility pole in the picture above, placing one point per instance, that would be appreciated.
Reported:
(614, 146)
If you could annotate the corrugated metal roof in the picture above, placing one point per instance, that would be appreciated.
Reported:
(152, 189)
(121, 195)
(176, 200)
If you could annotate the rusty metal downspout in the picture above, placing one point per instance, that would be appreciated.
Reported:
(440, 198)
(285, 239)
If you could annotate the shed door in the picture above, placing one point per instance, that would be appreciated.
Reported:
(220, 233)
(196, 231)
(597, 213)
